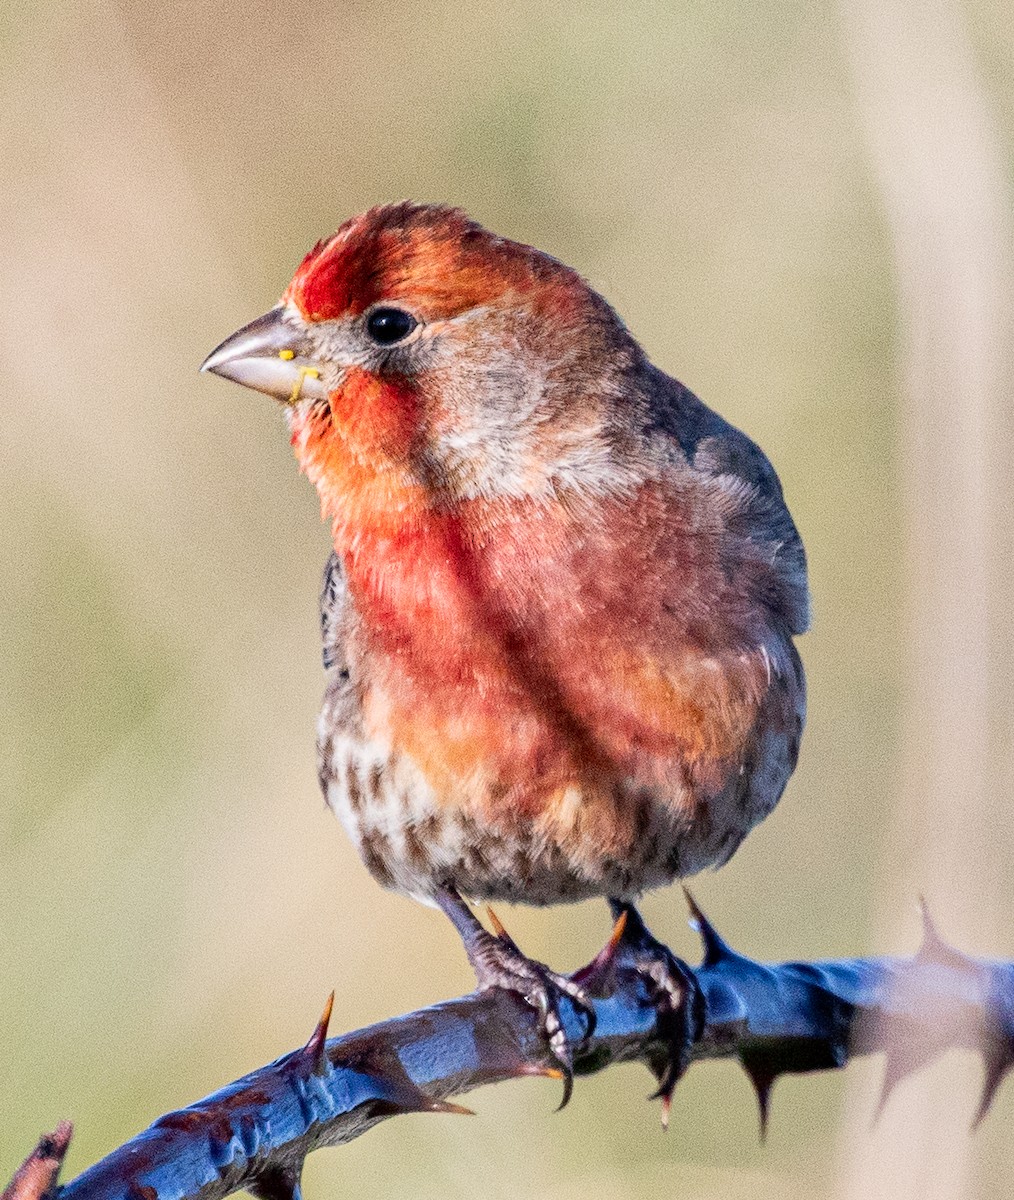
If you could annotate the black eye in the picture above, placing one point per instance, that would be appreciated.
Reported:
(389, 325)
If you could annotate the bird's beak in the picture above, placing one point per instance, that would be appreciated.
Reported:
(271, 355)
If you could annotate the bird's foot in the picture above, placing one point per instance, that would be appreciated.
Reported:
(498, 962)
(671, 989)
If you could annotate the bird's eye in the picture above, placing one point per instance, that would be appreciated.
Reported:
(389, 325)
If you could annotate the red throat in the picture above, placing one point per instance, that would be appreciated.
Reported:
(359, 451)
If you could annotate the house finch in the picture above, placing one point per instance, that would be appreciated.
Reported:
(558, 619)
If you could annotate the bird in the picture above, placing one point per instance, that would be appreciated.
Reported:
(560, 614)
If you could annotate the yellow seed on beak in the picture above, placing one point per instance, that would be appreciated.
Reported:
(286, 354)
(297, 387)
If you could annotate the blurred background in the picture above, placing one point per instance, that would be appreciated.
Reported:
(803, 211)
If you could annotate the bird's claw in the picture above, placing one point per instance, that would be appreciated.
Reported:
(542, 989)
(672, 992)
(498, 962)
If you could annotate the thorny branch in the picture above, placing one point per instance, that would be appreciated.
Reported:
(36, 1178)
(793, 1017)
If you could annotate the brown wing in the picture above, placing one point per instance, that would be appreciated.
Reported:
(770, 563)
(756, 510)
(341, 709)
(334, 603)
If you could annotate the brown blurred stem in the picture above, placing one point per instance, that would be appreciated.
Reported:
(792, 1017)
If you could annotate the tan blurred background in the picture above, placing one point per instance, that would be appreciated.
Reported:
(803, 211)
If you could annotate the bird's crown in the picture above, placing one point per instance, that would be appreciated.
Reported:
(432, 254)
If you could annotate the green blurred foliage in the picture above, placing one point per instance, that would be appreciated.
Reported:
(176, 902)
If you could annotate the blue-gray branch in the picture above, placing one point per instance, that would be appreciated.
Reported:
(255, 1133)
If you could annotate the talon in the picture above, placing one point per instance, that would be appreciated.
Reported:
(568, 1090)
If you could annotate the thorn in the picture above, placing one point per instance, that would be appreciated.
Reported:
(933, 946)
(55, 1145)
(897, 1067)
(931, 939)
(635, 932)
(715, 946)
(37, 1176)
(325, 1016)
(277, 1183)
(494, 920)
(763, 1080)
(499, 930)
(405, 1096)
(598, 973)
(888, 1085)
(410, 1098)
(315, 1048)
(445, 1106)
(997, 1066)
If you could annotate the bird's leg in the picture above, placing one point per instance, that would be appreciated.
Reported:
(498, 962)
(671, 989)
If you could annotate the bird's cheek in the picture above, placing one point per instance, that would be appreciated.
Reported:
(378, 419)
